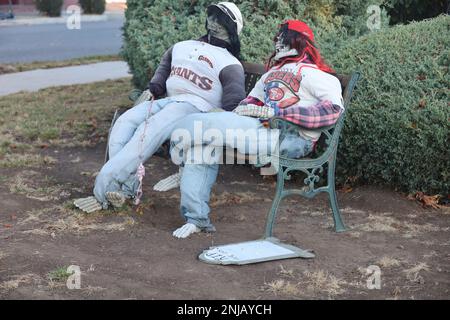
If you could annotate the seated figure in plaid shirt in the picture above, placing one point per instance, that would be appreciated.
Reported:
(298, 86)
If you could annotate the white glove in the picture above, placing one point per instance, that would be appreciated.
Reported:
(252, 110)
(185, 231)
(88, 205)
(170, 182)
(146, 95)
(116, 198)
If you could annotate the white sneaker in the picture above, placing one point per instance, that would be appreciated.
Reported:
(185, 231)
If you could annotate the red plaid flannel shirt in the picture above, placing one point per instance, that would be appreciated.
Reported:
(322, 114)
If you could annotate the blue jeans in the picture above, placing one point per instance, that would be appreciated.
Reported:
(293, 146)
(196, 183)
(198, 178)
(136, 135)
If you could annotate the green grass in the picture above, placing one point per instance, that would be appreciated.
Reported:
(59, 275)
(68, 116)
(19, 67)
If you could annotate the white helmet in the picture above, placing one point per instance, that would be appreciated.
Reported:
(232, 11)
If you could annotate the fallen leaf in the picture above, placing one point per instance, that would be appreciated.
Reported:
(140, 210)
(428, 201)
(7, 225)
(422, 104)
(346, 189)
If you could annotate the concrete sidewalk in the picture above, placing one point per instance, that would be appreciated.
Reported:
(43, 78)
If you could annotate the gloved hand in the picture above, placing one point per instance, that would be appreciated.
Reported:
(169, 183)
(88, 205)
(252, 110)
(156, 89)
(146, 95)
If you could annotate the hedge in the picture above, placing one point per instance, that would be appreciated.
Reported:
(52, 8)
(397, 130)
(93, 6)
(152, 26)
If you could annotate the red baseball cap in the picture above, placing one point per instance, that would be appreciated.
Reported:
(300, 27)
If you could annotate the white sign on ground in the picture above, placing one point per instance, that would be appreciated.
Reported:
(253, 252)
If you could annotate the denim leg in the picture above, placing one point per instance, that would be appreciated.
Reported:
(119, 173)
(294, 146)
(246, 134)
(129, 121)
(240, 132)
(196, 185)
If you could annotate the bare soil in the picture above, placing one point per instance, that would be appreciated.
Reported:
(131, 254)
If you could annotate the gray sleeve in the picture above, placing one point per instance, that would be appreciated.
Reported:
(158, 81)
(233, 83)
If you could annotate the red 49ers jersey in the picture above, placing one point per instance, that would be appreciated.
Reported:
(297, 83)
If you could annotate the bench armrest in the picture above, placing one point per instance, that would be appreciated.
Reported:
(288, 126)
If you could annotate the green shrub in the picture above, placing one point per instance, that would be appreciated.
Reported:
(152, 26)
(51, 8)
(397, 130)
(93, 6)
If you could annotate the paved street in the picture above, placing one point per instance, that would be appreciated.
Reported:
(56, 42)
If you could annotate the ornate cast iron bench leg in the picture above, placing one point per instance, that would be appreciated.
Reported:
(280, 193)
(338, 223)
(310, 166)
(275, 203)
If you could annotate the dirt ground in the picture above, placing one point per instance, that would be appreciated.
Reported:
(131, 254)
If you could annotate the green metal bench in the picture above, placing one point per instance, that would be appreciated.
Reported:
(312, 167)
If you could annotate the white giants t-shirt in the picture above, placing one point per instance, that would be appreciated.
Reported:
(195, 71)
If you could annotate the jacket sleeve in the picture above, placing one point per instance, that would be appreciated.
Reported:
(157, 84)
(258, 90)
(252, 100)
(232, 79)
(322, 114)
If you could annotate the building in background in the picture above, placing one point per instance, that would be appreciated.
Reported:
(27, 6)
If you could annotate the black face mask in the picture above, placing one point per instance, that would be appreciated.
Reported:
(217, 37)
(216, 30)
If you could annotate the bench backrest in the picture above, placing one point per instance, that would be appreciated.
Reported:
(253, 71)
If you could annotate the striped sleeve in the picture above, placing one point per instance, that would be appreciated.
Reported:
(322, 114)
